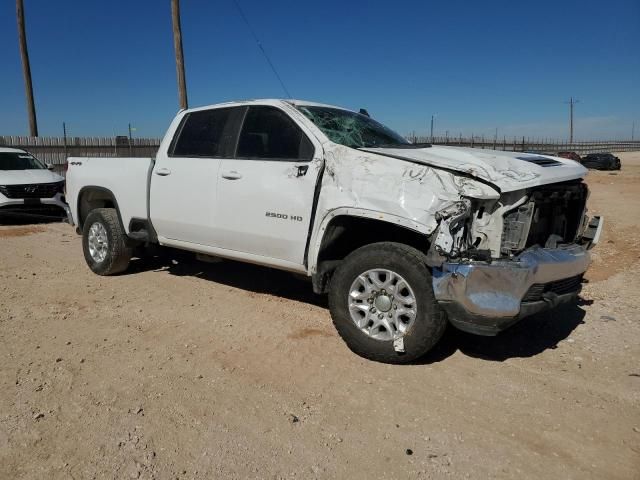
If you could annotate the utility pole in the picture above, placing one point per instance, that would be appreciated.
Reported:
(432, 117)
(130, 141)
(26, 69)
(633, 130)
(177, 45)
(64, 135)
(571, 103)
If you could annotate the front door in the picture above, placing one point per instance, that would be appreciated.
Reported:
(265, 194)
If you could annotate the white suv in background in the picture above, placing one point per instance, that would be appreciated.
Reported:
(28, 186)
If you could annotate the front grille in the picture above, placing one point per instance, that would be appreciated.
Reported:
(35, 190)
(559, 287)
(552, 216)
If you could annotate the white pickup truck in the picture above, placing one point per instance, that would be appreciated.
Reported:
(403, 237)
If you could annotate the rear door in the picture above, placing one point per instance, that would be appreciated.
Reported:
(265, 194)
(185, 175)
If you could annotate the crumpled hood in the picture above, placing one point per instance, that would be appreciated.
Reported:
(21, 177)
(509, 171)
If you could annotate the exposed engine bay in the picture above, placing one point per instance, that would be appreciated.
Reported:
(546, 216)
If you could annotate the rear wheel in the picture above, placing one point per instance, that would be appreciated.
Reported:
(382, 303)
(104, 242)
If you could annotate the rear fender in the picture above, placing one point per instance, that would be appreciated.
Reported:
(92, 197)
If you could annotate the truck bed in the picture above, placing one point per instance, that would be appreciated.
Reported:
(125, 177)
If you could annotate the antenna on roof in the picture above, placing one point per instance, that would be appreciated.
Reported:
(255, 37)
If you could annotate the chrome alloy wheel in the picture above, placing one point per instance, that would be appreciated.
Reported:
(382, 304)
(98, 242)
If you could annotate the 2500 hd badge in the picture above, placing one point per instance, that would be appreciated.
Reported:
(284, 216)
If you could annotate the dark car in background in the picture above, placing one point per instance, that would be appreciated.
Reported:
(601, 161)
(570, 156)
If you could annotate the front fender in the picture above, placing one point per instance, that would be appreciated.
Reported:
(318, 236)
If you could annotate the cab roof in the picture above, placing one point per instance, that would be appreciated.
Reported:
(265, 101)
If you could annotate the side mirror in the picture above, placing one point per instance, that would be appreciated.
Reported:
(50, 166)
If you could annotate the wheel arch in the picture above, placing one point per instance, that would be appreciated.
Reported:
(345, 230)
(91, 197)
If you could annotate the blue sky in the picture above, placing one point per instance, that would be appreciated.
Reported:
(476, 65)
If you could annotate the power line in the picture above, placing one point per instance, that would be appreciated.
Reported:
(255, 37)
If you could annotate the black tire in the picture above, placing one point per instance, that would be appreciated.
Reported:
(429, 324)
(118, 252)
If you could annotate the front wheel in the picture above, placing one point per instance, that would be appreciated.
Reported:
(104, 242)
(382, 303)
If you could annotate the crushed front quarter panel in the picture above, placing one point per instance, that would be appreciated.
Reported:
(365, 184)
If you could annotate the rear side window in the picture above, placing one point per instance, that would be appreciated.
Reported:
(204, 134)
(268, 133)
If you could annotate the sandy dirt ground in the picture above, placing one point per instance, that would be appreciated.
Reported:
(181, 370)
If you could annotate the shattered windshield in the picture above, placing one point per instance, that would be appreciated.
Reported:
(19, 161)
(352, 129)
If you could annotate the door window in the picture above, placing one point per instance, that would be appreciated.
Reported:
(269, 134)
(205, 133)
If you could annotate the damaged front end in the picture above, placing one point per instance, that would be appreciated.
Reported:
(495, 262)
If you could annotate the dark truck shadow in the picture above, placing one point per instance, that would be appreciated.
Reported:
(527, 338)
(19, 219)
(252, 278)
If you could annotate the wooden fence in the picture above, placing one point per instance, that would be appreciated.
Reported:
(55, 150)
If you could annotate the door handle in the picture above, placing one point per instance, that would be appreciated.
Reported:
(163, 172)
(232, 175)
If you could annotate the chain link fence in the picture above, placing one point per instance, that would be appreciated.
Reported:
(525, 144)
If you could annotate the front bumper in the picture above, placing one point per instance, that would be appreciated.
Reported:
(18, 206)
(485, 298)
